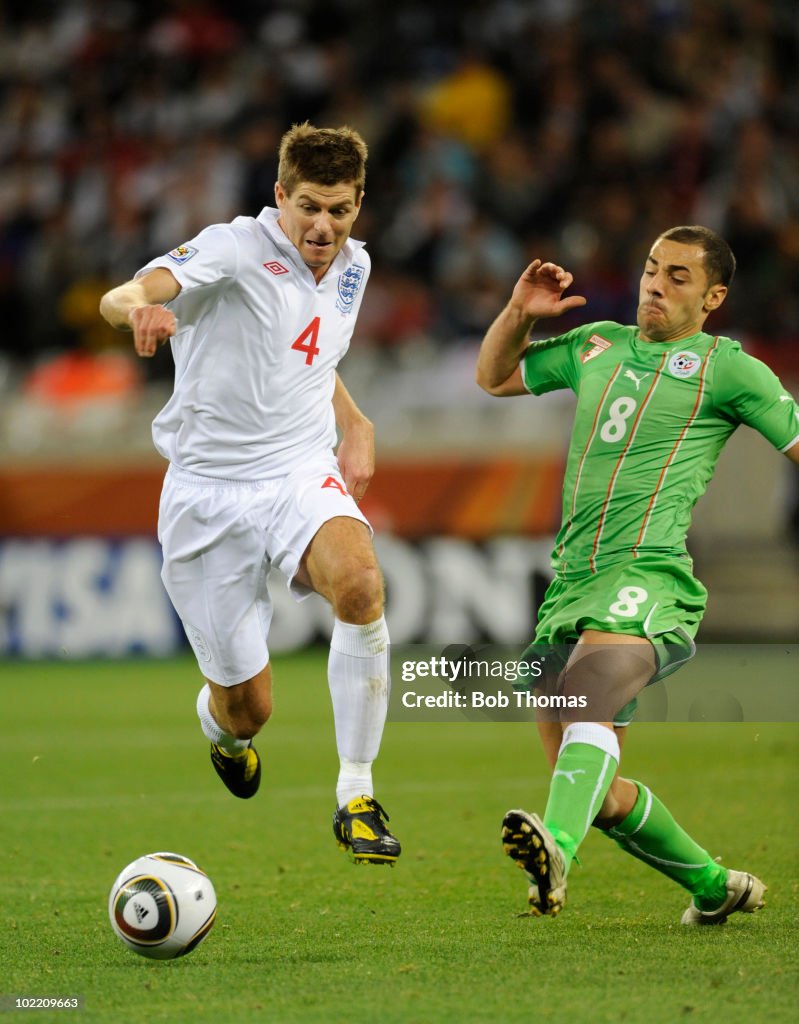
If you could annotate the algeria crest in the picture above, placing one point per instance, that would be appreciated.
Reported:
(684, 364)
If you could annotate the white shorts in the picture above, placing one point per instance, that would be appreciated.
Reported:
(221, 537)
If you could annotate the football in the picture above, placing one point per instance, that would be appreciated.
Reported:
(162, 905)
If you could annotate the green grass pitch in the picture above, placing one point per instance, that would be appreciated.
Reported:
(102, 762)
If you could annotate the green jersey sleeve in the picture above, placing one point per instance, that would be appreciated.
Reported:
(551, 365)
(746, 391)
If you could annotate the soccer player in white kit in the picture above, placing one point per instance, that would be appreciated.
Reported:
(259, 312)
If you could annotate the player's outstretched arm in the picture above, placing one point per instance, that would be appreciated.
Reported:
(138, 306)
(356, 450)
(793, 453)
(538, 293)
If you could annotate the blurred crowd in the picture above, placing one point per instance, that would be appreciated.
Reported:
(498, 131)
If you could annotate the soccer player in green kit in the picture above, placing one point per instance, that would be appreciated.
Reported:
(655, 405)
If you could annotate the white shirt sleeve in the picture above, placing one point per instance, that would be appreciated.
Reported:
(210, 258)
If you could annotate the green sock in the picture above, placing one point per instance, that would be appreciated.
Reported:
(650, 833)
(587, 762)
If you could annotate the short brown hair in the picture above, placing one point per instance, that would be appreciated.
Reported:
(719, 259)
(324, 156)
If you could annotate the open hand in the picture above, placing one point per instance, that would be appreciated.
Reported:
(538, 292)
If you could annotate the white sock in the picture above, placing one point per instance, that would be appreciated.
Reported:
(357, 674)
(595, 735)
(354, 779)
(228, 743)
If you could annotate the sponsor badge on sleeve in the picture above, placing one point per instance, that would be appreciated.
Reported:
(182, 253)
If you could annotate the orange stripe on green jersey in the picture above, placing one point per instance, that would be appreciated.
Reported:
(617, 468)
(650, 422)
(662, 479)
(592, 435)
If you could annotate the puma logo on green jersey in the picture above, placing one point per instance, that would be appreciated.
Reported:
(638, 381)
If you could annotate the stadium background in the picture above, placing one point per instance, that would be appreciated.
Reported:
(498, 131)
(572, 128)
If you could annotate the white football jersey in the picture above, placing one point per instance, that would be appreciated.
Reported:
(256, 348)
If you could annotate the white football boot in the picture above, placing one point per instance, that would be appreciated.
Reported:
(744, 892)
(527, 841)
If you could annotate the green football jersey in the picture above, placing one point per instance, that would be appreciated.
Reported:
(651, 420)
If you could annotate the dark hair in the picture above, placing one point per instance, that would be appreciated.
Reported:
(324, 156)
(719, 259)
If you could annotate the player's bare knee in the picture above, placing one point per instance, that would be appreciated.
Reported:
(606, 680)
(244, 710)
(358, 596)
(248, 719)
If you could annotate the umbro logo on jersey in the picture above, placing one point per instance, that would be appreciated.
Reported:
(276, 268)
(593, 347)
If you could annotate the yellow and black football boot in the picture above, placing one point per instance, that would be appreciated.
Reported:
(359, 826)
(241, 773)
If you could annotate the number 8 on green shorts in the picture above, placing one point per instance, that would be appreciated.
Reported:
(656, 597)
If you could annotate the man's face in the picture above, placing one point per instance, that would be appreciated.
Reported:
(317, 220)
(674, 297)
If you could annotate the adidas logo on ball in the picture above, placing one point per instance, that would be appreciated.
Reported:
(162, 905)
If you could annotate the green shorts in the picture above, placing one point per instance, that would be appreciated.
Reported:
(656, 597)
